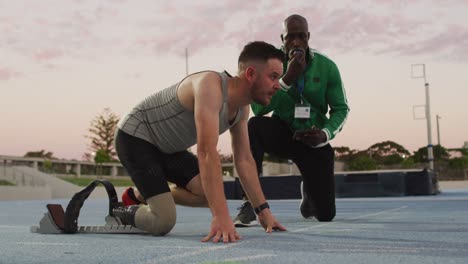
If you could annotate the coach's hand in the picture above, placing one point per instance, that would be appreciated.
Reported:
(312, 137)
(296, 66)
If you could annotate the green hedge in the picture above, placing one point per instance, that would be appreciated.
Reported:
(6, 183)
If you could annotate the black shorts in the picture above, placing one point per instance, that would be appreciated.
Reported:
(150, 168)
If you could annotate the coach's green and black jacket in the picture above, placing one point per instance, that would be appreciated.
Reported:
(323, 91)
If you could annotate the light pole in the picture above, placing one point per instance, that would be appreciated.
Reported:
(186, 61)
(422, 74)
(438, 130)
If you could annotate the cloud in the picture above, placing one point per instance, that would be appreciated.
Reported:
(7, 74)
(452, 44)
(390, 27)
(97, 30)
(350, 29)
(206, 25)
(47, 55)
(174, 40)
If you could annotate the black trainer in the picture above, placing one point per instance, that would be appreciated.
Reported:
(246, 216)
(307, 206)
(126, 214)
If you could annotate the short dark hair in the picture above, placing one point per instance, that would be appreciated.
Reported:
(296, 17)
(259, 51)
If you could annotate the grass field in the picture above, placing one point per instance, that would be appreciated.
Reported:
(87, 181)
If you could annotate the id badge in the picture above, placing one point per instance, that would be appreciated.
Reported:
(302, 111)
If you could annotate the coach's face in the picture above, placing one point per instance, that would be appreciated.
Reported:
(295, 36)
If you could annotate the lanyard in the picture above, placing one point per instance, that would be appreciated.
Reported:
(300, 86)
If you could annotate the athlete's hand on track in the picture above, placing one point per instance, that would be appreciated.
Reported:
(269, 222)
(222, 229)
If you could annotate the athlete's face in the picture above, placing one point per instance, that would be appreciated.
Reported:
(295, 36)
(267, 81)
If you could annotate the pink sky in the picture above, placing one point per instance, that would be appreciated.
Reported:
(62, 66)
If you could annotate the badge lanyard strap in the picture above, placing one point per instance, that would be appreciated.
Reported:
(300, 86)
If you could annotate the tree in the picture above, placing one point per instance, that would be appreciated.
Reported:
(275, 159)
(102, 156)
(458, 163)
(339, 151)
(102, 132)
(225, 158)
(362, 162)
(344, 153)
(440, 153)
(408, 163)
(464, 149)
(40, 154)
(392, 159)
(388, 153)
(47, 166)
(388, 148)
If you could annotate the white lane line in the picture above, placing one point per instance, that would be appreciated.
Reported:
(354, 218)
(369, 250)
(379, 213)
(198, 252)
(250, 257)
(12, 227)
(371, 247)
(47, 244)
(176, 247)
(405, 199)
(310, 228)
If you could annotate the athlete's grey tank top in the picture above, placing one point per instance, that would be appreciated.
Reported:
(161, 120)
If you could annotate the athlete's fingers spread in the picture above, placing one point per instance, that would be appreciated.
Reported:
(208, 237)
(279, 227)
(234, 237)
(268, 229)
(225, 237)
(217, 237)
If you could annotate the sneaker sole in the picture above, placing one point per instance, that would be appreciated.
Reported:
(240, 224)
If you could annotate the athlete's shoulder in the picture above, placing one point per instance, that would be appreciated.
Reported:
(208, 74)
(204, 78)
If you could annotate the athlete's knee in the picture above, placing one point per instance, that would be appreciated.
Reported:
(201, 196)
(162, 226)
(159, 216)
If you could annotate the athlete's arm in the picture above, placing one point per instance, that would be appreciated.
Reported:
(207, 104)
(247, 170)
